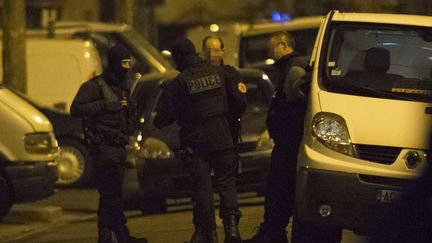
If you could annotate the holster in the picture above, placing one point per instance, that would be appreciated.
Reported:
(188, 156)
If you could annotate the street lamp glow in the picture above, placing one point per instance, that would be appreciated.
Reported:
(166, 53)
(214, 28)
(269, 61)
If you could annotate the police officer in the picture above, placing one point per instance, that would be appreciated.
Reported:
(103, 105)
(199, 100)
(213, 51)
(285, 126)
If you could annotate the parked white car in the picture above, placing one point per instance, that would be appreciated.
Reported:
(28, 152)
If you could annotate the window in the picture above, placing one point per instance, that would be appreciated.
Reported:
(254, 49)
(379, 60)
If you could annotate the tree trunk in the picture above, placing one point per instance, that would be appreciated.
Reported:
(107, 11)
(14, 45)
(125, 11)
(145, 22)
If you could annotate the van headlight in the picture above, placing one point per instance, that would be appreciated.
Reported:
(264, 142)
(331, 130)
(40, 143)
(154, 148)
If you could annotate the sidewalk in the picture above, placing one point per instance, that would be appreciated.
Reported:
(14, 229)
(64, 207)
(79, 206)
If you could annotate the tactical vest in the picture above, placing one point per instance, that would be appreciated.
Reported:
(107, 93)
(206, 91)
(97, 130)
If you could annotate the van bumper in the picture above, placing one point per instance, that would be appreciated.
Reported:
(32, 181)
(356, 201)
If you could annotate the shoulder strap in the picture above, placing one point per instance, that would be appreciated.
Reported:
(107, 92)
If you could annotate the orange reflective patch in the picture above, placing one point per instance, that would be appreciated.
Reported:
(242, 87)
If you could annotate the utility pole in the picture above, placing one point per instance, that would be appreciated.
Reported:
(14, 45)
(145, 20)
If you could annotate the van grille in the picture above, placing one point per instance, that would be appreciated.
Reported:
(379, 154)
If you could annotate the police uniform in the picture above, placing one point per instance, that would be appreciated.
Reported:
(199, 100)
(238, 108)
(106, 127)
(285, 125)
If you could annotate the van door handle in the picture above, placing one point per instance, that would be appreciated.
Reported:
(428, 110)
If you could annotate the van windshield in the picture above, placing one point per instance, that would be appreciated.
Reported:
(379, 60)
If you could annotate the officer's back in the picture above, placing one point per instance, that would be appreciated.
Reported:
(198, 102)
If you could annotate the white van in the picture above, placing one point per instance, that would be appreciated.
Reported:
(28, 152)
(366, 127)
(56, 69)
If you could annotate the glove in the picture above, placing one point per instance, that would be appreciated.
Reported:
(113, 106)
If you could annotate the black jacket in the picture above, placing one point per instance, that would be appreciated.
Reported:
(286, 114)
(109, 119)
(203, 135)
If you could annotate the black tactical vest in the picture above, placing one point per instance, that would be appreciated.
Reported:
(206, 91)
(107, 128)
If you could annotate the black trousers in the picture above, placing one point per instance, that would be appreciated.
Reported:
(224, 165)
(281, 183)
(108, 175)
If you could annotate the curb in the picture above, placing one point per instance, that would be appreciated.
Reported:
(37, 229)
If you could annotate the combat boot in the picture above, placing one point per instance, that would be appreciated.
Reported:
(198, 236)
(266, 237)
(232, 234)
(123, 236)
(204, 236)
(107, 236)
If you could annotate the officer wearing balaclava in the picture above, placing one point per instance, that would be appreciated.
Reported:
(103, 105)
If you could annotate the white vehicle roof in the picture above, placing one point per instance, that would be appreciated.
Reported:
(24, 109)
(295, 24)
(90, 26)
(397, 19)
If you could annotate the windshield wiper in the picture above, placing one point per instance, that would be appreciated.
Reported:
(379, 93)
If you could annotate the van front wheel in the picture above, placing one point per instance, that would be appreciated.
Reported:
(312, 233)
(75, 167)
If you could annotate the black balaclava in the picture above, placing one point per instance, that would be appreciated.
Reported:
(115, 55)
(183, 52)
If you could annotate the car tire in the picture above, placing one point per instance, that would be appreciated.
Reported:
(152, 201)
(312, 233)
(76, 166)
(6, 198)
